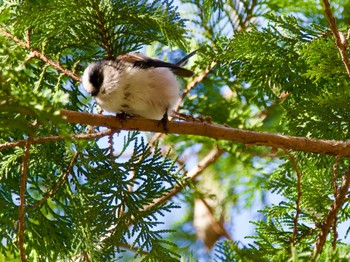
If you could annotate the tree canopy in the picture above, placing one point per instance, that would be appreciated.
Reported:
(266, 114)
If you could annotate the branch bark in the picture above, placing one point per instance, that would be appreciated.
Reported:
(332, 214)
(218, 132)
(59, 183)
(340, 40)
(37, 54)
(297, 201)
(191, 176)
(335, 186)
(47, 139)
(218, 226)
(23, 184)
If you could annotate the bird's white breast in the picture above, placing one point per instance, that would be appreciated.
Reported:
(148, 93)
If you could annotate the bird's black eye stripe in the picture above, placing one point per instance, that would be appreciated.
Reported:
(96, 78)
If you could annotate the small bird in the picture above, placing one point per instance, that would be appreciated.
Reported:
(136, 84)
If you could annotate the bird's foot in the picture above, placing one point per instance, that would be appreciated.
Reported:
(122, 117)
(164, 122)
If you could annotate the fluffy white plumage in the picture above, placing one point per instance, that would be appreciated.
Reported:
(146, 93)
(134, 84)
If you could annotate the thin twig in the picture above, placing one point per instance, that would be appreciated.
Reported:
(249, 12)
(56, 65)
(43, 57)
(86, 256)
(47, 139)
(132, 248)
(335, 207)
(28, 38)
(297, 201)
(217, 225)
(15, 39)
(23, 187)
(213, 155)
(335, 233)
(340, 40)
(335, 186)
(105, 39)
(59, 183)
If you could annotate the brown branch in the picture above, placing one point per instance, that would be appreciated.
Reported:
(59, 183)
(86, 256)
(43, 57)
(335, 186)
(191, 176)
(331, 216)
(15, 39)
(23, 184)
(101, 24)
(56, 65)
(219, 132)
(28, 37)
(47, 139)
(340, 40)
(248, 17)
(297, 201)
(217, 225)
(133, 248)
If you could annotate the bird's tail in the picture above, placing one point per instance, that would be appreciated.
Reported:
(184, 60)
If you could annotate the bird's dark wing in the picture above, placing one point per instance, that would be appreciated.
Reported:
(142, 61)
(177, 70)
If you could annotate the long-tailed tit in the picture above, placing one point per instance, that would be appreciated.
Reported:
(136, 84)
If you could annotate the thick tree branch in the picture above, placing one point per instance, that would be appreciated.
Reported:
(219, 132)
(332, 214)
(340, 40)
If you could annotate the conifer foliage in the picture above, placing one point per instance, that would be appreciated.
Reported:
(271, 85)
